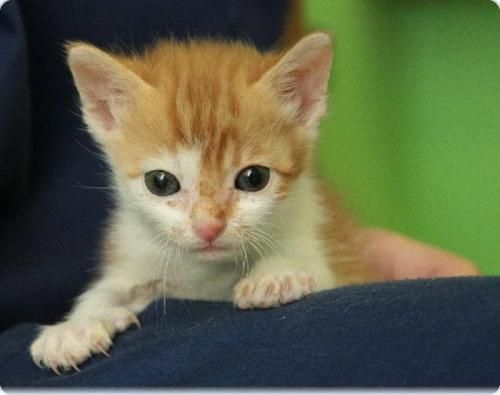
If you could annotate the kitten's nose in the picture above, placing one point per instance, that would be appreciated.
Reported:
(210, 230)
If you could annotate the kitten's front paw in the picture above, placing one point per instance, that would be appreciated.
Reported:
(269, 290)
(64, 346)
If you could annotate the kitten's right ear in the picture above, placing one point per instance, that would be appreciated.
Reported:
(300, 78)
(106, 87)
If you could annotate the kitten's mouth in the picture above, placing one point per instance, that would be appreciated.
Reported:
(209, 248)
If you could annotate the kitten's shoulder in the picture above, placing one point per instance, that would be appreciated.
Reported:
(343, 239)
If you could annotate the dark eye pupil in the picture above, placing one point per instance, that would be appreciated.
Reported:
(253, 178)
(160, 179)
(161, 183)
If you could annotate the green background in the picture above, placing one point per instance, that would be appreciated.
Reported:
(412, 138)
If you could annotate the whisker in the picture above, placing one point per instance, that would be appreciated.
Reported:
(168, 250)
(269, 239)
(254, 242)
(81, 186)
(97, 154)
(245, 264)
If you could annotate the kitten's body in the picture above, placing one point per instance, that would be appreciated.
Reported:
(217, 117)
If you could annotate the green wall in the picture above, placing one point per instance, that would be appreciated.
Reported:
(412, 138)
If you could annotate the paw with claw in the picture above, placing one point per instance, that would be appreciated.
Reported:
(270, 290)
(64, 346)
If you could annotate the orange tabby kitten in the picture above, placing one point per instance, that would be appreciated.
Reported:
(210, 146)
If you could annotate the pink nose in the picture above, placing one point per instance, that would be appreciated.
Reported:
(209, 231)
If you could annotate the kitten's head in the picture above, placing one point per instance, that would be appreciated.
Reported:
(205, 139)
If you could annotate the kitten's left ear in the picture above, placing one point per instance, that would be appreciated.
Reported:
(107, 88)
(301, 78)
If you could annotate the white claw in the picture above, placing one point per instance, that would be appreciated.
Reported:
(136, 322)
(54, 368)
(102, 350)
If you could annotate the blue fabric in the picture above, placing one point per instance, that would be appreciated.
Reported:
(414, 333)
(49, 242)
(14, 111)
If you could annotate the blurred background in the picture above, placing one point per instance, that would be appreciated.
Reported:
(412, 138)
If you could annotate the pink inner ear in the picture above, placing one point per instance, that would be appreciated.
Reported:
(311, 84)
(102, 111)
(302, 80)
(98, 93)
(306, 92)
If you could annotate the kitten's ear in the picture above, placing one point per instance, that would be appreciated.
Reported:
(106, 87)
(301, 78)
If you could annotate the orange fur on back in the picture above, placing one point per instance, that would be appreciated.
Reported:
(344, 242)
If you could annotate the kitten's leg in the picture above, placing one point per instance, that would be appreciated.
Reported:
(107, 308)
(280, 280)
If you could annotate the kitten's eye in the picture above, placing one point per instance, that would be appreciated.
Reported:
(253, 178)
(161, 183)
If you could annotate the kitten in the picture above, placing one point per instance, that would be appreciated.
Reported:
(210, 146)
